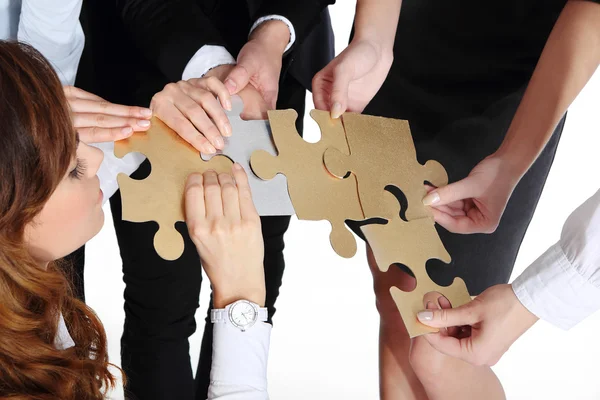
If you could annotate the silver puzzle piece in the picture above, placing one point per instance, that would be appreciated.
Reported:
(270, 197)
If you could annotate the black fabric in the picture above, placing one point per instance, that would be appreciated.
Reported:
(459, 72)
(161, 297)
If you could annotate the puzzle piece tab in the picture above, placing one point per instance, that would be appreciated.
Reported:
(270, 197)
(315, 193)
(160, 196)
(412, 243)
(382, 153)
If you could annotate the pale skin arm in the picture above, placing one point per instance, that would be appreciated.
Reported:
(569, 59)
(351, 80)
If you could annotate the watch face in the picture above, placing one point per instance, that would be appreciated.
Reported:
(243, 314)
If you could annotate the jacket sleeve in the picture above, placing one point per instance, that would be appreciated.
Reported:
(168, 32)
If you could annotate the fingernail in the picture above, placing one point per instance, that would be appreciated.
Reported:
(230, 85)
(431, 198)
(208, 149)
(127, 131)
(227, 129)
(146, 112)
(336, 110)
(144, 123)
(425, 315)
(219, 143)
(194, 178)
(228, 105)
(237, 166)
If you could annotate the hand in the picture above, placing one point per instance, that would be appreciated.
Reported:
(259, 61)
(476, 203)
(351, 80)
(496, 319)
(191, 109)
(96, 120)
(225, 227)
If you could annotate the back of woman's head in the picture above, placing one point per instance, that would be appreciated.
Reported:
(37, 145)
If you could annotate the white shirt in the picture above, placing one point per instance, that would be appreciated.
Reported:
(51, 26)
(563, 285)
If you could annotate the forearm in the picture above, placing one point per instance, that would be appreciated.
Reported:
(376, 21)
(569, 59)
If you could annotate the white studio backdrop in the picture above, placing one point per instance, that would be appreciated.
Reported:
(324, 344)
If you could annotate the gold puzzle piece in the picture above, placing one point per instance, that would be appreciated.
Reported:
(159, 197)
(382, 153)
(412, 244)
(315, 193)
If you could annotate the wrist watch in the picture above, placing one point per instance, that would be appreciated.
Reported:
(242, 314)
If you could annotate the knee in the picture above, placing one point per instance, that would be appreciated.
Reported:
(427, 363)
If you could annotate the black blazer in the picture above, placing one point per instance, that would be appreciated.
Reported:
(135, 47)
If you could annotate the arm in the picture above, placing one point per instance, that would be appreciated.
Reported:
(570, 57)
(169, 32)
(53, 28)
(352, 79)
(561, 287)
(225, 227)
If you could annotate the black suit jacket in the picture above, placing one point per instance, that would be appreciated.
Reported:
(134, 47)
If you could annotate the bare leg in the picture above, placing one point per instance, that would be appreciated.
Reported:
(397, 380)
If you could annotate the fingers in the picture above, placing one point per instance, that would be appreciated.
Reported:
(94, 134)
(238, 78)
(212, 196)
(218, 123)
(453, 347)
(342, 75)
(463, 189)
(93, 106)
(229, 194)
(72, 92)
(214, 85)
(195, 211)
(247, 208)
(320, 91)
(86, 120)
(445, 318)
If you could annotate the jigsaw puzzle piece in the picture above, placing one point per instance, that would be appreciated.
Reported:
(412, 243)
(270, 196)
(316, 194)
(382, 153)
(160, 197)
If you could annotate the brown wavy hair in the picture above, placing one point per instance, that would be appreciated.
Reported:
(37, 144)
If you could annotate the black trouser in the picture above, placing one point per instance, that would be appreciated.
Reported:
(161, 297)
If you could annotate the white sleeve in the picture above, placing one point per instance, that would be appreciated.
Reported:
(53, 28)
(563, 285)
(205, 59)
(239, 362)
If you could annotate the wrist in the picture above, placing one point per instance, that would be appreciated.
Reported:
(275, 34)
(513, 165)
(222, 298)
(522, 313)
(220, 71)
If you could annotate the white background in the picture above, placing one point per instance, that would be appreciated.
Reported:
(324, 345)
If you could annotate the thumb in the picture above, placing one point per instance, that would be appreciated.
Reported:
(339, 91)
(450, 346)
(237, 79)
(463, 189)
(447, 318)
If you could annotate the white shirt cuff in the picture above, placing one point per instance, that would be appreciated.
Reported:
(205, 59)
(553, 290)
(239, 362)
(278, 18)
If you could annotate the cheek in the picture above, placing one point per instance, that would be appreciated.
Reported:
(69, 219)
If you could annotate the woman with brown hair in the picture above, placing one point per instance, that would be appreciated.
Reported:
(52, 346)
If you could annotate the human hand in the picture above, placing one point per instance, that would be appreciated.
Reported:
(259, 61)
(96, 120)
(351, 80)
(494, 320)
(476, 203)
(225, 227)
(191, 109)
